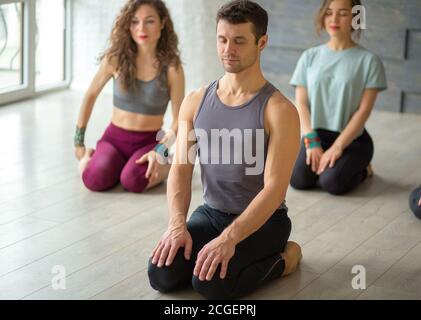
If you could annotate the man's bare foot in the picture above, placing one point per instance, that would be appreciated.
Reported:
(292, 257)
(370, 171)
(83, 163)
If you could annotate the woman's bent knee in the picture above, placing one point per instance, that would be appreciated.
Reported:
(134, 180)
(97, 181)
(300, 182)
(332, 183)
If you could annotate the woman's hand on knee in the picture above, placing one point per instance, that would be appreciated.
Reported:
(171, 241)
(329, 158)
(153, 166)
(313, 158)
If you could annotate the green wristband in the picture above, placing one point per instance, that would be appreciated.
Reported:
(315, 144)
(312, 140)
(312, 135)
(79, 138)
(161, 149)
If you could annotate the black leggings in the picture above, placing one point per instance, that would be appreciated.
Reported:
(347, 173)
(256, 261)
(413, 202)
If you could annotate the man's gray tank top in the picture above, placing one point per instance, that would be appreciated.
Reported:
(148, 97)
(230, 184)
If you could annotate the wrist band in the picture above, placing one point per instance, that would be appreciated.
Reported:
(79, 138)
(161, 149)
(312, 140)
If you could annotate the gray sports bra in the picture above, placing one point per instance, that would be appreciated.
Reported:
(148, 97)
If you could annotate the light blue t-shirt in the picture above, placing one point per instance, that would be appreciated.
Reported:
(335, 82)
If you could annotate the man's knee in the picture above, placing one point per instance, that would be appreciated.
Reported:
(163, 279)
(216, 289)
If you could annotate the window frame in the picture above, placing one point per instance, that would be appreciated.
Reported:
(28, 88)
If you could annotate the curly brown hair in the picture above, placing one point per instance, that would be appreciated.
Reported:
(124, 50)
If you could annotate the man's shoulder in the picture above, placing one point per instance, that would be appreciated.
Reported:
(192, 102)
(197, 95)
(279, 102)
(280, 109)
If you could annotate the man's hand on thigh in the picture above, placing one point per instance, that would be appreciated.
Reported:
(167, 247)
(216, 252)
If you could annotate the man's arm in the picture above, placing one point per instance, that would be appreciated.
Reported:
(283, 126)
(179, 188)
(176, 83)
(181, 173)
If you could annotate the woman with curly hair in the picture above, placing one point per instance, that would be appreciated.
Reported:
(143, 60)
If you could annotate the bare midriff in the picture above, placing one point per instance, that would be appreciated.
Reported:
(136, 121)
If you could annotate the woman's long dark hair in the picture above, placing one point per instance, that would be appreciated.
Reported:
(123, 49)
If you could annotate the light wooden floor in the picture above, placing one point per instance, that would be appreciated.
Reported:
(48, 218)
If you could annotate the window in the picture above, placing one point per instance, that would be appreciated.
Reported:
(50, 42)
(10, 45)
(34, 47)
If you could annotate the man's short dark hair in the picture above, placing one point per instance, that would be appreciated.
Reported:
(243, 11)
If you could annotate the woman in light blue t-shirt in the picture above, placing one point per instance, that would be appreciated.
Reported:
(336, 88)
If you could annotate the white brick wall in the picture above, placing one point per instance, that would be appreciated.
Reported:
(92, 22)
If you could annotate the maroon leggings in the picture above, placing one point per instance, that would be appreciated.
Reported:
(115, 158)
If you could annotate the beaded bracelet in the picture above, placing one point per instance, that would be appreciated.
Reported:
(312, 140)
(79, 138)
